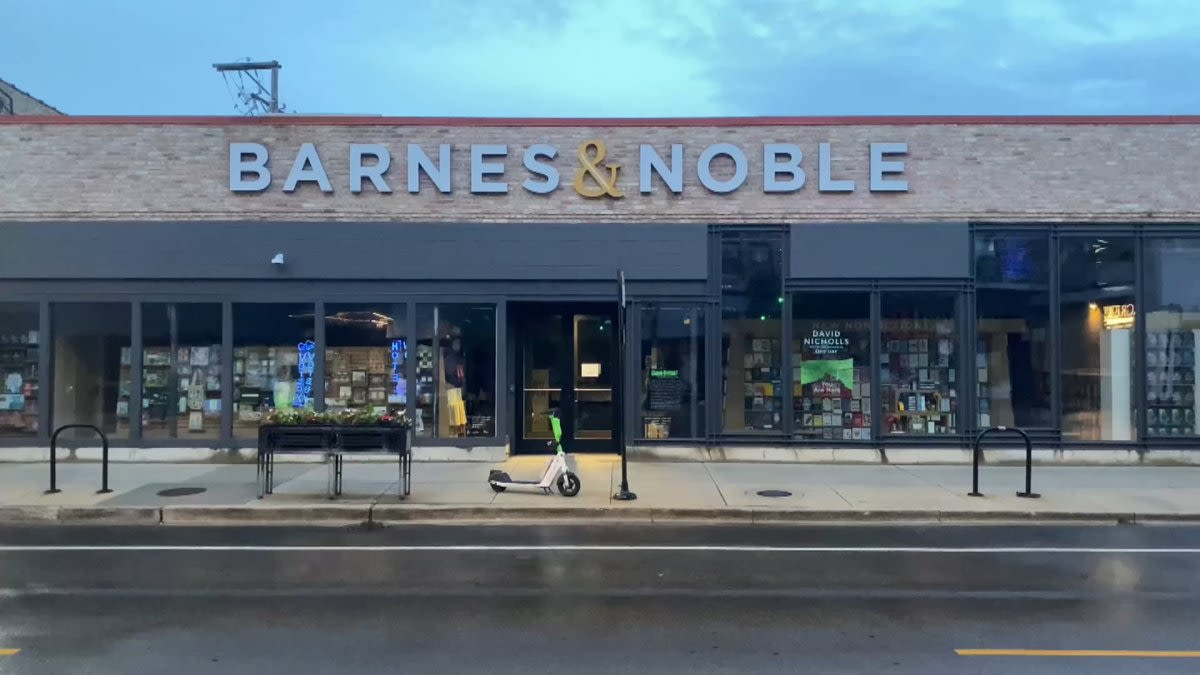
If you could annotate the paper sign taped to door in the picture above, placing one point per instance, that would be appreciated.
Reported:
(589, 370)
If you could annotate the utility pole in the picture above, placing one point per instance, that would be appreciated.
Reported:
(252, 95)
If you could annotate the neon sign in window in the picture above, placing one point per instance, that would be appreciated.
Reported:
(307, 365)
(399, 354)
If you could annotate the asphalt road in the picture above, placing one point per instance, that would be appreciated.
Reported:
(605, 598)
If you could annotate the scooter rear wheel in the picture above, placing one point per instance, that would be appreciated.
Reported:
(497, 488)
(569, 484)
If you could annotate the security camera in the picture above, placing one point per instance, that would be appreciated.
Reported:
(278, 259)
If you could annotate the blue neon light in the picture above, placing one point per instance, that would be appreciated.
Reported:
(308, 363)
(399, 353)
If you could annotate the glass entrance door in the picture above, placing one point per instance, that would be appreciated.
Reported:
(567, 360)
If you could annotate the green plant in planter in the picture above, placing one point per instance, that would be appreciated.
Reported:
(293, 416)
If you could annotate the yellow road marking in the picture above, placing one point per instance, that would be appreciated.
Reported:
(1127, 653)
(9, 652)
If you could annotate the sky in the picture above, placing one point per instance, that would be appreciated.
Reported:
(613, 58)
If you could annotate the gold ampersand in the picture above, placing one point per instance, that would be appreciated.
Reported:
(591, 156)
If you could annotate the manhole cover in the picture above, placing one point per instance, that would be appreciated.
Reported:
(181, 491)
(774, 493)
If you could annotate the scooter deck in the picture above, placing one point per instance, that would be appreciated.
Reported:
(516, 482)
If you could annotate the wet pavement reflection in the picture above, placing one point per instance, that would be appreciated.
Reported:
(607, 598)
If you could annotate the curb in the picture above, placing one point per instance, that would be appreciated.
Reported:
(384, 514)
(110, 515)
(299, 514)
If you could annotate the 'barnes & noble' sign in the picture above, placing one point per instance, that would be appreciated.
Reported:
(591, 174)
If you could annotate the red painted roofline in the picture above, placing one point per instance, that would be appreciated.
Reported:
(358, 121)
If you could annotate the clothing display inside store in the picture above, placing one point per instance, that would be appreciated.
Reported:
(455, 371)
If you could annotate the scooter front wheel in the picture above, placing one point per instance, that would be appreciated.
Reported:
(568, 484)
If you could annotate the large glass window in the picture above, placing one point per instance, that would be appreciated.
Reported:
(19, 345)
(366, 357)
(1098, 320)
(456, 371)
(270, 343)
(919, 363)
(91, 345)
(1012, 352)
(1172, 331)
(181, 370)
(831, 366)
(752, 332)
(672, 353)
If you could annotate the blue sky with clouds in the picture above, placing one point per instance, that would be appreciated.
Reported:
(577, 58)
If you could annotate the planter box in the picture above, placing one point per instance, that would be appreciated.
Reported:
(332, 439)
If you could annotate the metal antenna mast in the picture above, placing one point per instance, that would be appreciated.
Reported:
(252, 96)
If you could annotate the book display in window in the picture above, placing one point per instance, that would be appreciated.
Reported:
(831, 399)
(920, 381)
(982, 380)
(264, 378)
(361, 377)
(761, 393)
(1171, 374)
(427, 398)
(182, 383)
(20, 382)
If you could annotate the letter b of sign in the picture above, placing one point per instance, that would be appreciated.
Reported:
(248, 158)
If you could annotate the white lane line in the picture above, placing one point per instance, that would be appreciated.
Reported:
(485, 548)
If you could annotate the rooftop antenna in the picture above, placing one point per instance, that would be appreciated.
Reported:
(252, 96)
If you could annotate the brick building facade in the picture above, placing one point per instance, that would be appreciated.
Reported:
(846, 283)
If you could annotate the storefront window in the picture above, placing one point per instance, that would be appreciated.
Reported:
(181, 370)
(270, 341)
(91, 348)
(19, 350)
(1012, 352)
(366, 357)
(672, 353)
(831, 366)
(456, 371)
(1172, 332)
(919, 363)
(1098, 321)
(752, 332)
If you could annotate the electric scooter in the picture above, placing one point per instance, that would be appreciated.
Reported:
(557, 473)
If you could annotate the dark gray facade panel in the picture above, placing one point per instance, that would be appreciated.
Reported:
(394, 251)
(880, 251)
(256, 290)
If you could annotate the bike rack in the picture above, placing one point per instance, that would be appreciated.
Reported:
(54, 458)
(1028, 493)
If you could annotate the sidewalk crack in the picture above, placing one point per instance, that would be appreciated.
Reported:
(715, 484)
(927, 481)
(841, 496)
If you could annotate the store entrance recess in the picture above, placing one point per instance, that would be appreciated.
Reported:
(566, 361)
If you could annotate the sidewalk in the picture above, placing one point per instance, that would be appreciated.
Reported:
(666, 491)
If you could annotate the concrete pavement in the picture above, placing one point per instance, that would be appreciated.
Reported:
(666, 491)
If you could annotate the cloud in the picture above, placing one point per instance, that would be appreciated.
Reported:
(621, 57)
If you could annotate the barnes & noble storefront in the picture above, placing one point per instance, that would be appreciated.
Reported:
(883, 323)
(1026, 326)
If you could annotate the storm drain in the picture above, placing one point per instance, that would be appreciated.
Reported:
(181, 491)
(773, 493)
